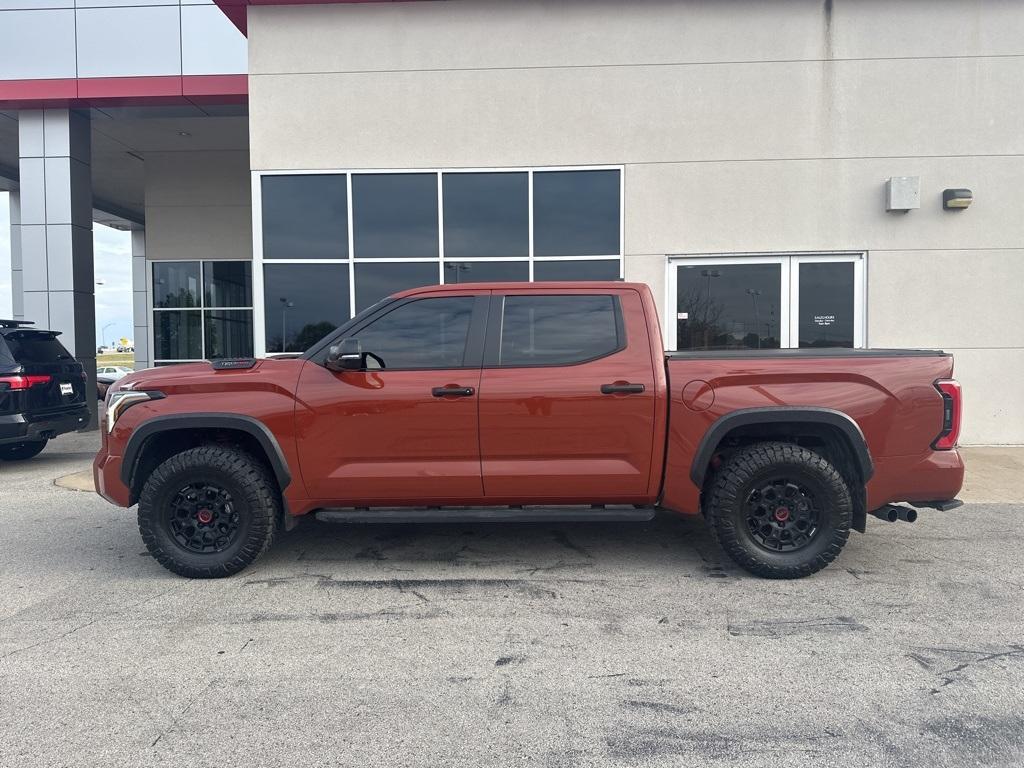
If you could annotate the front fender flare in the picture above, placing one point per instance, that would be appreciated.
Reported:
(185, 421)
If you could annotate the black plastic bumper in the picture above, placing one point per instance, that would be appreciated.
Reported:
(21, 427)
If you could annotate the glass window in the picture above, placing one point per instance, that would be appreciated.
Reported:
(428, 333)
(558, 330)
(486, 271)
(730, 306)
(486, 214)
(826, 304)
(375, 281)
(603, 269)
(178, 335)
(302, 303)
(228, 333)
(176, 284)
(227, 283)
(394, 215)
(576, 213)
(305, 217)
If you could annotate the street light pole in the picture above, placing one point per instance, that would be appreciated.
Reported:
(754, 293)
(285, 306)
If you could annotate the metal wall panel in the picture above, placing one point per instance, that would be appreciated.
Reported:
(210, 42)
(37, 44)
(128, 42)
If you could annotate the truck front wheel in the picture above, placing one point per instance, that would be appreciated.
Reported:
(208, 512)
(779, 510)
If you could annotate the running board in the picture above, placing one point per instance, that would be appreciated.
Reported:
(568, 514)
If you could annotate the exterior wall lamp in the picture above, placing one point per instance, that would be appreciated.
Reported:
(956, 199)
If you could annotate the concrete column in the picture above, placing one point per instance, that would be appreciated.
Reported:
(17, 283)
(54, 156)
(140, 306)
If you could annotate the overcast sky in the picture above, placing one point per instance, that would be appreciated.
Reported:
(113, 257)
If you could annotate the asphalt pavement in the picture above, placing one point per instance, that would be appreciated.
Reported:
(480, 645)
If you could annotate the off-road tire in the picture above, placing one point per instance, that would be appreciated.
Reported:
(22, 451)
(254, 497)
(732, 485)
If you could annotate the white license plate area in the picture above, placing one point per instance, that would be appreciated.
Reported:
(66, 388)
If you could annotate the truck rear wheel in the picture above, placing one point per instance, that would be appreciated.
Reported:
(779, 510)
(22, 451)
(208, 512)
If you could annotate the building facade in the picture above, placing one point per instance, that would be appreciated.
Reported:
(775, 171)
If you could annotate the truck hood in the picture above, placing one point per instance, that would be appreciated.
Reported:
(199, 377)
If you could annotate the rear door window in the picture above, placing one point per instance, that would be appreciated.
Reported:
(559, 330)
(32, 347)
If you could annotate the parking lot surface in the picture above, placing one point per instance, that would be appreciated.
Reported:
(478, 645)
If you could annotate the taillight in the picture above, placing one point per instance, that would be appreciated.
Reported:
(951, 411)
(22, 382)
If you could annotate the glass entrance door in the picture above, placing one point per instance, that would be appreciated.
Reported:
(766, 302)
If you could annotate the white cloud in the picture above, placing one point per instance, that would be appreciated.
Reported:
(113, 261)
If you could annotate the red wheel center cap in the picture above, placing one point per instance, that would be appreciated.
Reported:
(204, 516)
(782, 514)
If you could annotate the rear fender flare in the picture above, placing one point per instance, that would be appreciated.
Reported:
(781, 415)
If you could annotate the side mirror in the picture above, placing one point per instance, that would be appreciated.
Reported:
(346, 356)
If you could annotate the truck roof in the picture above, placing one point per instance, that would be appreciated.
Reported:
(546, 287)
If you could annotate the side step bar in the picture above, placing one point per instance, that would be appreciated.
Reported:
(567, 514)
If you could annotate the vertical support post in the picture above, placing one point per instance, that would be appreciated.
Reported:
(140, 305)
(54, 164)
(17, 281)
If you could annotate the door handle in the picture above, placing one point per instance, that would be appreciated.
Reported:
(622, 389)
(452, 391)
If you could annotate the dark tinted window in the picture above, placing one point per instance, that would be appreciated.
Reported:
(302, 303)
(375, 281)
(576, 213)
(305, 217)
(429, 333)
(486, 214)
(826, 304)
(178, 335)
(228, 333)
(394, 215)
(176, 284)
(576, 270)
(731, 306)
(227, 283)
(35, 347)
(486, 271)
(558, 330)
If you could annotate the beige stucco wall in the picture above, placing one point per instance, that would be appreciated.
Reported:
(743, 126)
(198, 205)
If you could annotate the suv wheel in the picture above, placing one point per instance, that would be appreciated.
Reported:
(22, 451)
(208, 512)
(779, 510)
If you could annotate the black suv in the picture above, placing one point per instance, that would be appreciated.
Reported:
(42, 390)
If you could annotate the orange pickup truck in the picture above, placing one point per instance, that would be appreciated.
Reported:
(540, 402)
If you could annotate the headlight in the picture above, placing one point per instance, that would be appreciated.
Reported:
(120, 401)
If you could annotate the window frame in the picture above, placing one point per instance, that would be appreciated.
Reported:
(202, 309)
(495, 323)
(259, 320)
(789, 310)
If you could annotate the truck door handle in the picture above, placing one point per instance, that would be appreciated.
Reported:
(622, 389)
(452, 391)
